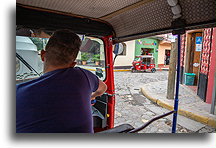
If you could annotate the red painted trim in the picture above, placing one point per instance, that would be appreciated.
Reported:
(183, 44)
(211, 69)
(109, 79)
(206, 51)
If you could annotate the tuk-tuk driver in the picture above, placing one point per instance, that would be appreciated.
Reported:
(59, 100)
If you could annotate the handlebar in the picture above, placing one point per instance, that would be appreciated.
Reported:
(150, 121)
(93, 101)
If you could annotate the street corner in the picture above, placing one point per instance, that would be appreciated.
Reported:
(146, 94)
(165, 105)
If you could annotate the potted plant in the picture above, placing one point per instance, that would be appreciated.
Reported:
(96, 59)
(84, 57)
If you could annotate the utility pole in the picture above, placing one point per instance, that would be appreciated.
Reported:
(213, 107)
(172, 70)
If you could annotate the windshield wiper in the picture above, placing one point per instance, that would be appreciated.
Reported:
(26, 64)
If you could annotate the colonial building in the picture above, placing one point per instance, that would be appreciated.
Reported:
(147, 46)
(158, 46)
(198, 57)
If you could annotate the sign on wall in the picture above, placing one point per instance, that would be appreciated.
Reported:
(147, 43)
(198, 43)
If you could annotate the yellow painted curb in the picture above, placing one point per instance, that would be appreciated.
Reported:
(212, 123)
(206, 120)
(164, 105)
(118, 70)
(196, 117)
(90, 69)
(147, 96)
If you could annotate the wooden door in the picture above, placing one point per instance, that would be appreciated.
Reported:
(196, 51)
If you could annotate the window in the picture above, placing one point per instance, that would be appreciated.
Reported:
(92, 56)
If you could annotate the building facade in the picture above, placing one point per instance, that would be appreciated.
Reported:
(147, 46)
(125, 59)
(210, 97)
(159, 47)
(164, 49)
(198, 57)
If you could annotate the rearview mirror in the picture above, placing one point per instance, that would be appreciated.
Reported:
(118, 49)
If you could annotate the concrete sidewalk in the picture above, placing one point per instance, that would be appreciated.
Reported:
(190, 105)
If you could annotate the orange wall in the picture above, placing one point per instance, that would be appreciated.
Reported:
(161, 52)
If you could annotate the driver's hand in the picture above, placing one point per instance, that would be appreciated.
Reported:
(93, 102)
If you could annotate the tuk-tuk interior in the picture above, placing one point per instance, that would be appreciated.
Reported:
(115, 21)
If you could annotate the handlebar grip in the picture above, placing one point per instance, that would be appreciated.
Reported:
(93, 101)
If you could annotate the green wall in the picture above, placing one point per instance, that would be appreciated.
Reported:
(147, 43)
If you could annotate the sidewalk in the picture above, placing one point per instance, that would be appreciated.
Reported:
(190, 105)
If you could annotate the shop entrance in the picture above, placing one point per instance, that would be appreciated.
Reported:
(195, 54)
(167, 57)
(193, 51)
(147, 51)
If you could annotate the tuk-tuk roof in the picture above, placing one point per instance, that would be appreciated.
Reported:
(124, 20)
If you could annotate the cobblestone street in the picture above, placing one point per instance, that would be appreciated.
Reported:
(133, 108)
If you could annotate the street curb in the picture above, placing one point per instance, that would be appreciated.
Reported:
(119, 70)
(205, 120)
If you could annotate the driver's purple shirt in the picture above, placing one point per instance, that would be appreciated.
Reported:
(56, 102)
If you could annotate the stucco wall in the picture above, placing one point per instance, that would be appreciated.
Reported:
(126, 60)
(161, 52)
(211, 74)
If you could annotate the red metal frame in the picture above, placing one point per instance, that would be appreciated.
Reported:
(109, 79)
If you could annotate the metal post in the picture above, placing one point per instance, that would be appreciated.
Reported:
(213, 95)
(177, 87)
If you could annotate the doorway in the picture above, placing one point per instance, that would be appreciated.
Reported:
(167, 57)
(195, 55)
(147, 51)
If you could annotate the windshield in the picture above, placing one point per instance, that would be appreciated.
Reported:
(30, 66)
(28, 62)
(146, 61)
(91, 56)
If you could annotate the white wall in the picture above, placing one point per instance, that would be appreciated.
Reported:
(126, 60)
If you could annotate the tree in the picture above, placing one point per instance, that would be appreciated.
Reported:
(39, 42)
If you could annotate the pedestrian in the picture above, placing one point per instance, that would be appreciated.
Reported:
(60, 100)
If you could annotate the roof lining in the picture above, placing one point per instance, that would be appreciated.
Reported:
(62, 13)
(134, 34)
(127, 8)
(31, 17)
(164, 30)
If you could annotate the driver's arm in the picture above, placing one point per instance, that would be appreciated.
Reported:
(102, 87)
